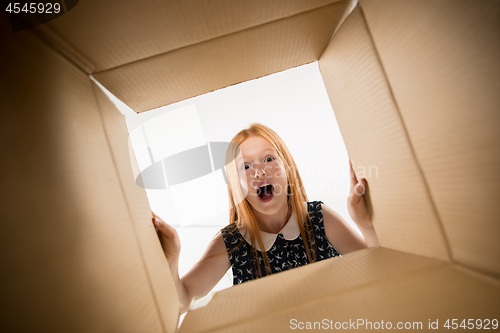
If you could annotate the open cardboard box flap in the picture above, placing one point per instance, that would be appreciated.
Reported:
(171, 52)
(370, 285)
(414, 87)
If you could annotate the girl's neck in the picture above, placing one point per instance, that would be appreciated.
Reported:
(273, 223)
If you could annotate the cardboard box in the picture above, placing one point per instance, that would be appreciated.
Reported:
(414, 86)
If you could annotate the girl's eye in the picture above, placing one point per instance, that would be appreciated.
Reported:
(269, 159)
(246, 167)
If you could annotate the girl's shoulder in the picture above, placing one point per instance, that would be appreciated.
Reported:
(314, 206)
(230, 229)
(231, 235)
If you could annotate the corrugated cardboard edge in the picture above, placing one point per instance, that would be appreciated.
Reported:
(441, 59)
(64, 48)
(372, 292)
(185, 23)
(294, 288)
(160, 280)
(210, 65)
(71, 263)
(439, 293)
(403, 213)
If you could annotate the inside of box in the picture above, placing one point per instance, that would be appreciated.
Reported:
(178, 130)
(420, 81)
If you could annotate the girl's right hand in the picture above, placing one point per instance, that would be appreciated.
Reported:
(169, 238)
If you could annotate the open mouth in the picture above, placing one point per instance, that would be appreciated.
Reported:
(265, 192)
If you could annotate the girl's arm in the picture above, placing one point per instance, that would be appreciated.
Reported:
(203, 276)
(342, 237)
(358, 210)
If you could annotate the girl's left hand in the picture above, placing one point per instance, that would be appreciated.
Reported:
(356, 202)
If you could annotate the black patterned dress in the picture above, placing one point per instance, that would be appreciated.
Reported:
(286, 252)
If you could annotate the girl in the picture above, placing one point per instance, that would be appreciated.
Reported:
(272, 226)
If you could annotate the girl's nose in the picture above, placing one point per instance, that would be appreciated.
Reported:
(259, 172)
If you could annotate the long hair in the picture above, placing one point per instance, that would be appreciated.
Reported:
(240, 212)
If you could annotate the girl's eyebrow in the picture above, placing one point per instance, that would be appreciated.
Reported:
(271, 150)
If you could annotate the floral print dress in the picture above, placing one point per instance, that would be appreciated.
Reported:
(284, 250)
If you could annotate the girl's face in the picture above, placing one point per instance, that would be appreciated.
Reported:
(262, 175)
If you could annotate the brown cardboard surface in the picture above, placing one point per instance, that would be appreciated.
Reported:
(224, 61)
(441, 58)
(158, 273)
(375, 136)
(434, 295)
(287, 291)
(116, 32)
(70, 259)
(373, 284)
(77, 246)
